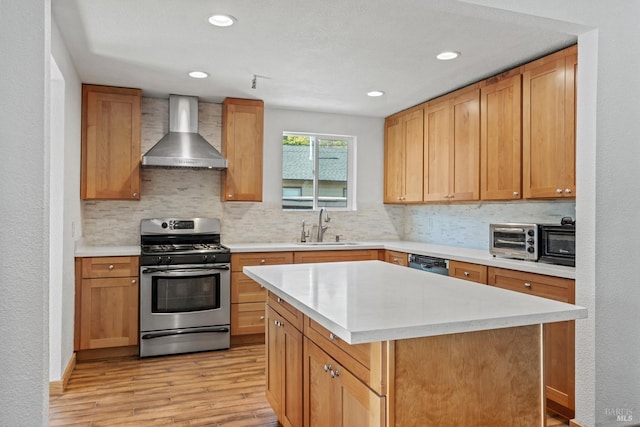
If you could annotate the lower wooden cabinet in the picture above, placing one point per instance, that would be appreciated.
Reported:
(395, 257)
(284, 369)
(468, 271)
(559, 338)
(334, 397)
(106, 302)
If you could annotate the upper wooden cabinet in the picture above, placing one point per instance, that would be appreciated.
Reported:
(110, 163)
(242, 140)
(403, 157)
(548, 123)
(500, 138)
(452, 147)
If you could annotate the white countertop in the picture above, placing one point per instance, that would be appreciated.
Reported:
(476, 256)
(82, 250)
(369, 301)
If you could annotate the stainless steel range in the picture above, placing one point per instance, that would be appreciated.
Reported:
(185, 295)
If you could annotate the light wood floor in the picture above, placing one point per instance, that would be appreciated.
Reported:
(220, 388)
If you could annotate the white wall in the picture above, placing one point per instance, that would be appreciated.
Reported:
(67, 167)
(24, 137)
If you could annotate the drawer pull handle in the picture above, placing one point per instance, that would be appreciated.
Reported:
(133, 281)
(327, 368)
(261, 317)
(135, 194)
(110, 266)
(466, 273)
(527, 285)
(332, 337)
(279, 299)
(262, 261)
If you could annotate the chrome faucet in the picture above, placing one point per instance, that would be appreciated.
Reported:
(322, 228)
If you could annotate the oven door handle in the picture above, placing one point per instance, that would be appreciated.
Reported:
(510, 242)
(151, 270)
(162, 334)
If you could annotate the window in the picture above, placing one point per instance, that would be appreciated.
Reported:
(318, 171)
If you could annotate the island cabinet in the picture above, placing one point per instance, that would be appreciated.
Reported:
(284, 372)
(548, 126)
(247, 296)
(559, 337)
(111, 135)
(468, 271)
(302, 257)
(403, 146)
(106, 302)
(500, 137)
(452, 147)
(242, 142)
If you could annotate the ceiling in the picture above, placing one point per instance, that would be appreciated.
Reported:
(307, 55)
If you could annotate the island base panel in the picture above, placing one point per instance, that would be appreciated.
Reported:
(491, 377)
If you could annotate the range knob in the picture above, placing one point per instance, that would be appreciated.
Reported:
(205, 258)
(164, 225)
(167, 260)
(159, 260)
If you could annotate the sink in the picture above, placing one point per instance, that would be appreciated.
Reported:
(327, 243)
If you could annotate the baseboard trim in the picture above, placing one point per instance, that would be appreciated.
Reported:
(574, 423)
(56, 388)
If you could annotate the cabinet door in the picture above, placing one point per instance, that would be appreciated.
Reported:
(465, 176)
(413, 133)
(559, 337)
(110, 159)
(109, 313)
(468, 271)
(399, 258)
(242, 141)
(284, 369)
(438, 153)
(501, 144)
(394, 157)
(549, 127)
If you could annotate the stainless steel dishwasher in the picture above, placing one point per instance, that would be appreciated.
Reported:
(429, 264)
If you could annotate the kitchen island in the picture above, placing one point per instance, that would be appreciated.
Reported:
(370, 343)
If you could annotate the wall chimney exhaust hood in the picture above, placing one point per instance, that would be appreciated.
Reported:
(183, 146)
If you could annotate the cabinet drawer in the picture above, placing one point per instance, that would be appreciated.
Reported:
(335, 256)
(244, 289)
(286, 310)
(467, 271)
(365, 361)
(238, 261)
(96, 267)
(399, 258)
(555, 288)
(247, 318)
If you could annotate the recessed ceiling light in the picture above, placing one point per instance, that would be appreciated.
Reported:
(222, 20)
(375, 93)
(445, 56)
(198, 74)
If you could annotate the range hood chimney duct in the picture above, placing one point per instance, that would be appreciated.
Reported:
(183, 146)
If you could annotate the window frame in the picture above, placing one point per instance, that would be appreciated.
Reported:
(351, 170)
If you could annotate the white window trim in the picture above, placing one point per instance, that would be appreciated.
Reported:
(351, 171)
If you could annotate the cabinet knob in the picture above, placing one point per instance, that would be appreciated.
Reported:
(567, 191)
(332, 337)
(395, 260)
(335, 373)
(261, 317)
(516, 194)
(133, 281)
(135, 194)
(327, 367)
(110, 266)
(559, 191)
(527, 285)
(279, 299)
(229, 196)
(262, 261)
(466, 274)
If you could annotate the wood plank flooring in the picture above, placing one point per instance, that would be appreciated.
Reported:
(219, 388)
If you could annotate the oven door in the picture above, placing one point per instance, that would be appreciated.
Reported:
(184, 296)
(558, 245)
